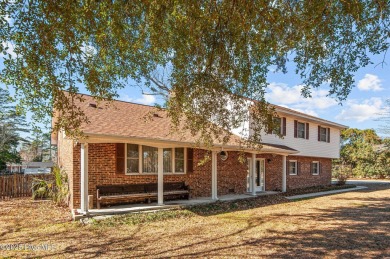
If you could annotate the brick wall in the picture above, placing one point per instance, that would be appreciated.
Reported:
(273, 172)
(304, 178)
(65, 160)
(101, 170)
(232, 175)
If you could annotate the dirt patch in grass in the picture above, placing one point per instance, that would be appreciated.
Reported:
(348, 225)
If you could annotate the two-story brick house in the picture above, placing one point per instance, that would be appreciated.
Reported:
(123, 147)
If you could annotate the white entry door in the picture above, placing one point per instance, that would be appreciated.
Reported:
(260, 175)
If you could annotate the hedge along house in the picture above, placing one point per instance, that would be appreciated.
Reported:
(129, 143)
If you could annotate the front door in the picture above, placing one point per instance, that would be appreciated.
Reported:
(259, 175)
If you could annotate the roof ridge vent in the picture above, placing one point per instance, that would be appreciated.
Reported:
(156, 115)
(93, 105)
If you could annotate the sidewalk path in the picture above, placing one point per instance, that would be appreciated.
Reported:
(308, 195)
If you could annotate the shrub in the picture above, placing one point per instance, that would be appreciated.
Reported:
(57, 189)
(42, 188)
(341, 173)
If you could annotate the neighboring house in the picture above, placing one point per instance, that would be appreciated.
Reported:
(123, 146)
(30, 167)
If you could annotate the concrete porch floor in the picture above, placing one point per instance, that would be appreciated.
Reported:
(138, 208)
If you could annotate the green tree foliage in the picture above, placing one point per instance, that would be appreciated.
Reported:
(11, 125)
(202, 56)
(366, 153)
(38, 147)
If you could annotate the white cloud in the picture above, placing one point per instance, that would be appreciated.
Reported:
(360, 111)
(307, 111)
(145, 99)
(283, 95)
(370, 83)
(88, 50)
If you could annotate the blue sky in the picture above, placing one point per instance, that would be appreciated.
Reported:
(361, 110)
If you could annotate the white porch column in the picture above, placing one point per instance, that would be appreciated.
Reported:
(160, 178)
(284, 173)
(84, 178)
(214, 185)
(253, 174)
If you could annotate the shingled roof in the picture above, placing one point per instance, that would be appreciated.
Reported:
(131, 120)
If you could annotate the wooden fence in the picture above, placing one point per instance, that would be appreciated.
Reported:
(19, 185)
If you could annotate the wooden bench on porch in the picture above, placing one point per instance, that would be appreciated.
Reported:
(123, 192)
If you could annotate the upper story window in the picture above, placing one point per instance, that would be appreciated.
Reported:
(323, 134)
(301, 130)
(279, 126)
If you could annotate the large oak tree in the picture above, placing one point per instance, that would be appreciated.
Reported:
(203, 56)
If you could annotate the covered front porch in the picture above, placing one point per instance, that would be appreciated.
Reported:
(222, 177)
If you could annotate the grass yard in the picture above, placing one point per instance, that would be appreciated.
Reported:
(347, 225)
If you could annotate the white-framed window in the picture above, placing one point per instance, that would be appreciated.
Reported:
(149, 160)
(277, 125)
(168, 160)
(292, 167)
(141, 159)
(315, 168)
(323, 134)
(179, 160)
(132, 158)
(301, 130)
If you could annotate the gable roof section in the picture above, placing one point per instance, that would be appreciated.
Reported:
(137, 121)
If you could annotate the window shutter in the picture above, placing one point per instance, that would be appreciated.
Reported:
(307, 130)
(295, 128)
(190, 160)
(311, 168)
(120, 158)
(328, 135)
(319, 133)
(284, 126)
(298, 167)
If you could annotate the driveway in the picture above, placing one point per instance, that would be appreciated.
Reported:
(366, 182)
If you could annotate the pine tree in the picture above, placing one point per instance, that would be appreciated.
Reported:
(11, 125)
